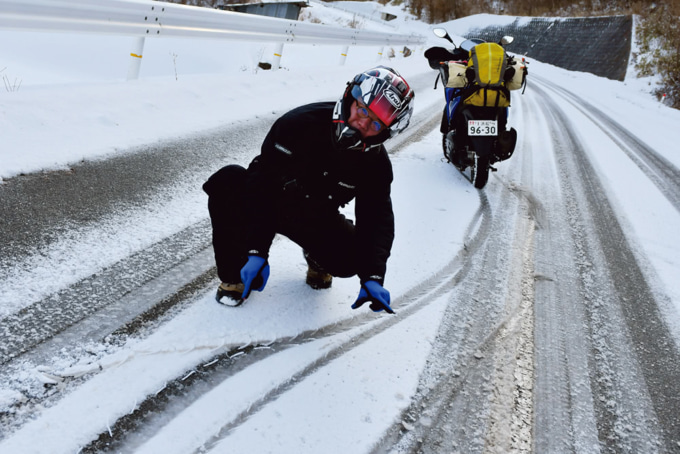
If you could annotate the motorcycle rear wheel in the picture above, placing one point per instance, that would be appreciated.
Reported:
(480, 171)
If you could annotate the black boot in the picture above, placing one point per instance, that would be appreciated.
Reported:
(230, 294)
(317, 278)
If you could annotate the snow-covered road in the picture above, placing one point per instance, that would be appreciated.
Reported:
(535, 322)
(539, 314)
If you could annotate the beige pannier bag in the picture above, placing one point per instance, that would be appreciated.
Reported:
(519, 77)
(457, 77)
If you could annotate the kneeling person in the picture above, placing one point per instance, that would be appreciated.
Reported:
(314, 160)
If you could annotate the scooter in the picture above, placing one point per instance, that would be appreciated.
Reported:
(474, 137)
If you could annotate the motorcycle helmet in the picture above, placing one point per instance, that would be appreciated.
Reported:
(386, 94)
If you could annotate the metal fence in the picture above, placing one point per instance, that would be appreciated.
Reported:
(152, 19)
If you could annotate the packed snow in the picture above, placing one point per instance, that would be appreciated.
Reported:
(66, 100)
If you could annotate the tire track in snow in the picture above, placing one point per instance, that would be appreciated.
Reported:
(414, 300)
(563, 397)
(662, 172)
(635, 367)
(196, 382)
(512, 401)
(103, 292)
(483, 348)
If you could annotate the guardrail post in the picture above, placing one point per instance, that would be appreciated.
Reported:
(277, 57)
(343, 55)
(136, 59)
(380, 54)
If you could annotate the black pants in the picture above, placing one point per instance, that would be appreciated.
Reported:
(329, 239)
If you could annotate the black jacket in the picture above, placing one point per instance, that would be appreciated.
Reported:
(300, 170)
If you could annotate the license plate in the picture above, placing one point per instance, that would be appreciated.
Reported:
(482, 128)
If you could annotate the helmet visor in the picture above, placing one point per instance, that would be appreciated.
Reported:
(384, 103)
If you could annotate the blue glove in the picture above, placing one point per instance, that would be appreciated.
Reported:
(373, 292)
(254, 275)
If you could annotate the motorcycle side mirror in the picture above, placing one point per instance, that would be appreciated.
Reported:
(507, 40)
(442, 33)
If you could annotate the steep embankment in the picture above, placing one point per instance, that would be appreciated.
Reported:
(598, 45)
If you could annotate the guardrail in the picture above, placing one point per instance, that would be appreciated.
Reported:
(154, 19)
